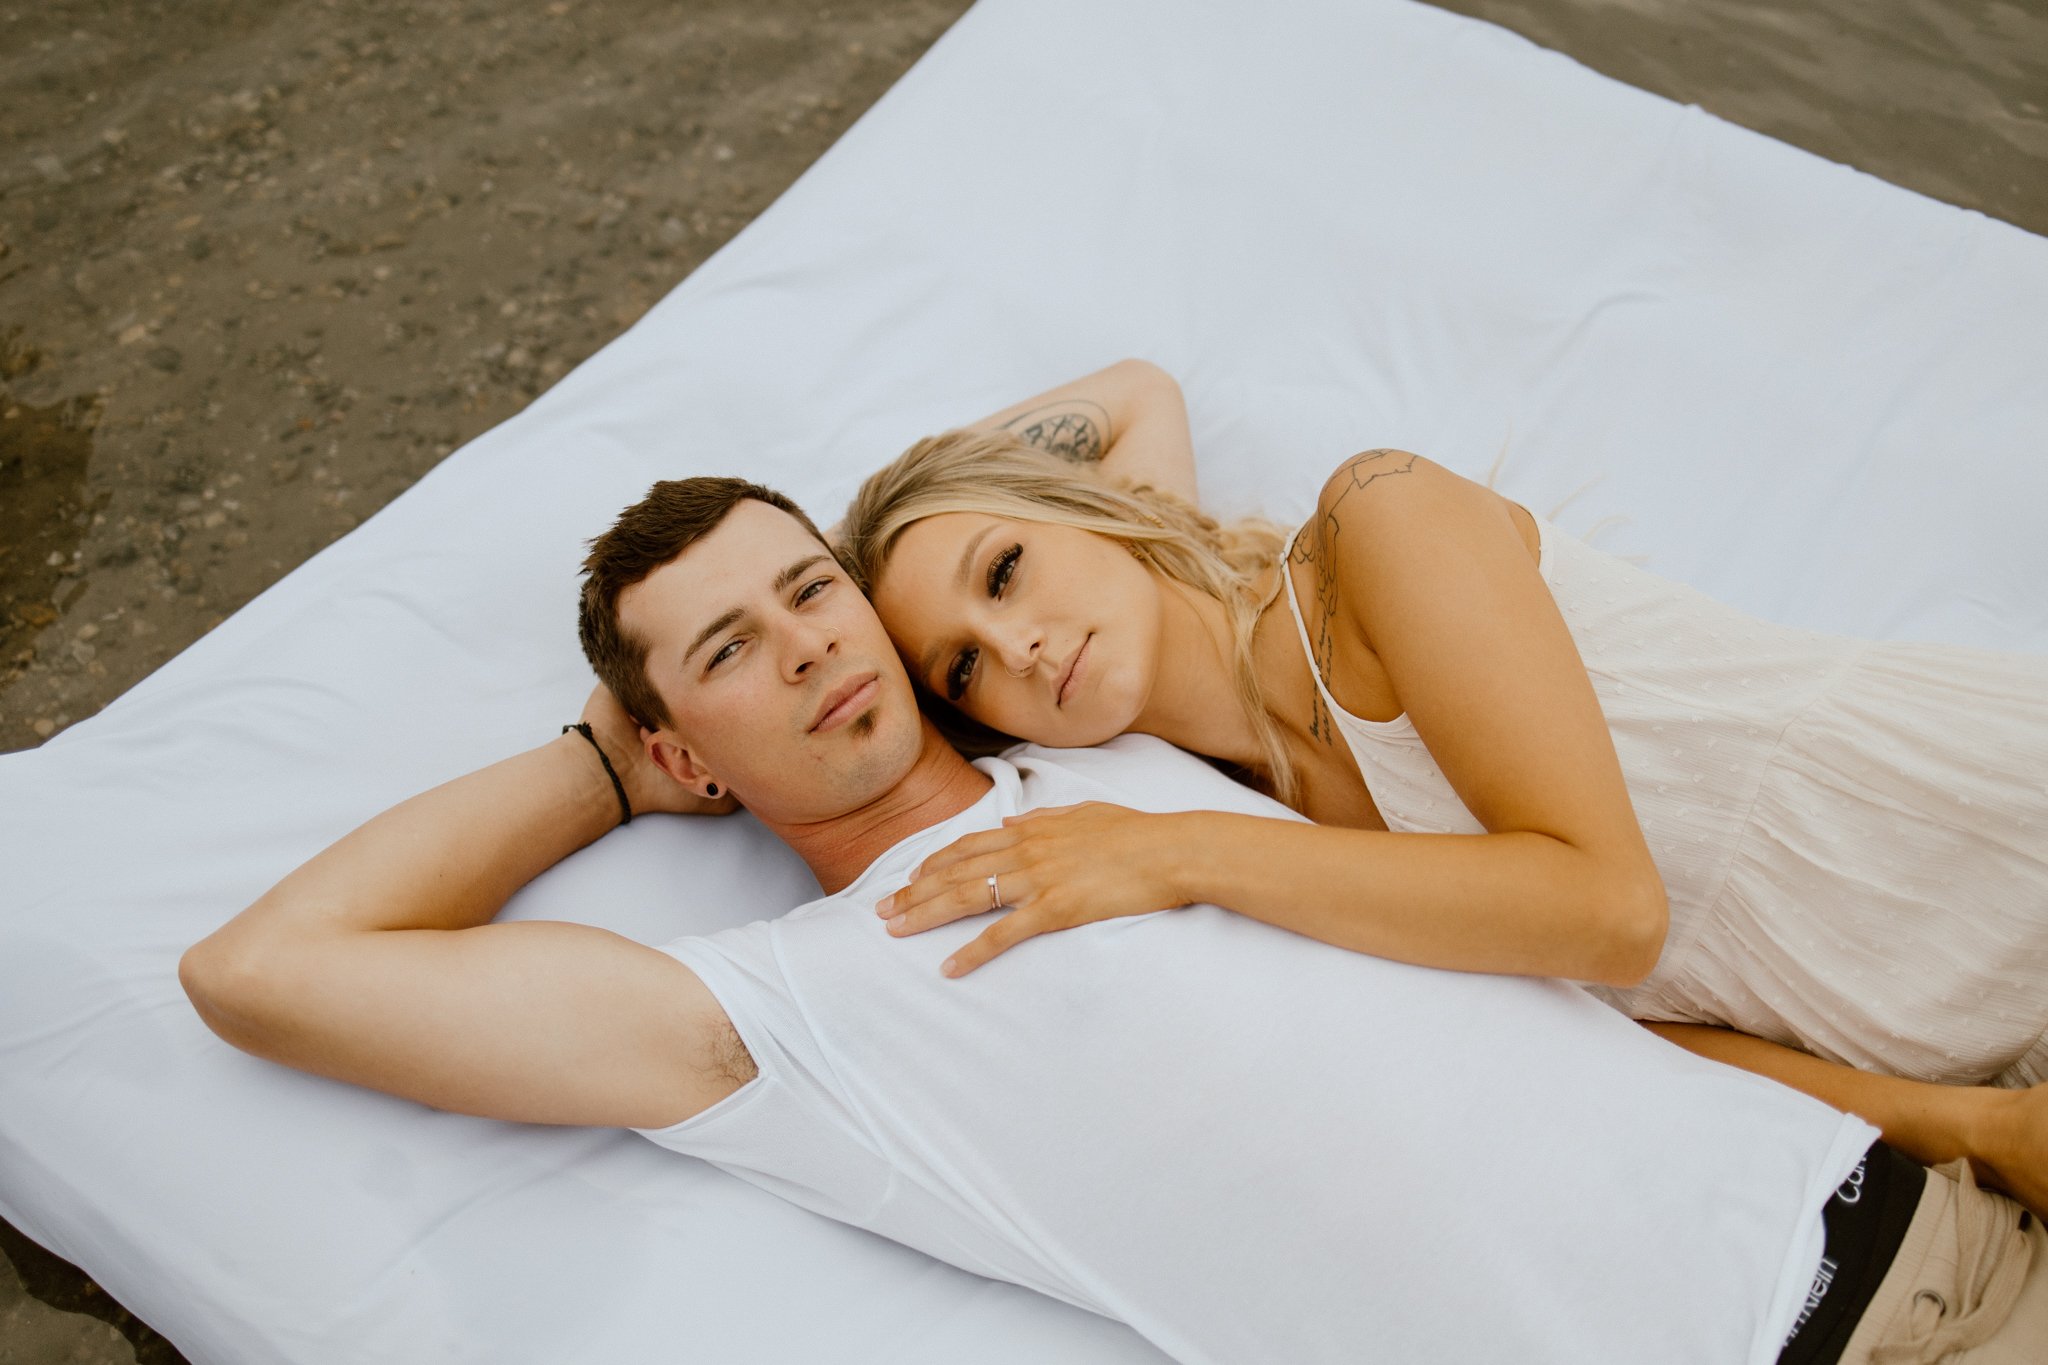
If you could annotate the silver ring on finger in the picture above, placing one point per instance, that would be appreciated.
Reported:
(995, 893)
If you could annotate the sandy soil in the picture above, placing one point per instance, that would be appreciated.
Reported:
(262, 265)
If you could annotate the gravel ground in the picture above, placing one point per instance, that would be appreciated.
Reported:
(263, 265)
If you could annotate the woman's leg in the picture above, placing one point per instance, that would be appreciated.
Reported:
(2002, 1133)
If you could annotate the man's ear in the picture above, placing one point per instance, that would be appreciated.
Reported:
(679, 763)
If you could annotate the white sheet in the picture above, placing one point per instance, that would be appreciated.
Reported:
(1342, 223)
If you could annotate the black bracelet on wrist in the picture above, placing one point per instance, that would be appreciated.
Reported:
(582, 727)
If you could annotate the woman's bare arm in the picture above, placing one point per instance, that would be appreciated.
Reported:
(1516, 903)
(1129, 418)
(1425, 576)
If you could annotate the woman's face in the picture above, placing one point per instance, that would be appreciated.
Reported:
(1039, 630)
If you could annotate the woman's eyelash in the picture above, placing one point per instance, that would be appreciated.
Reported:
(812, 589)
(962, 671)
(1002, 568)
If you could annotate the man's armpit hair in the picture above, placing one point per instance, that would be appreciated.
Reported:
(726, 1056)
(1076, 430)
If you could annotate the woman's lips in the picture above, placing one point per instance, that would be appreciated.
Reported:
(847, 701)
(1070, 683)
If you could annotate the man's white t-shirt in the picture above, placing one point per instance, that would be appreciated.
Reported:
(1253, 1147)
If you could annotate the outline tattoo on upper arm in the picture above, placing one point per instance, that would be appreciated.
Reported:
(1076, 430)
(1320, 554)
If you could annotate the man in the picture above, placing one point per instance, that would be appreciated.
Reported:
(1247, 1145)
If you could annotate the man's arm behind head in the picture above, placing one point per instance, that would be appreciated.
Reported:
(375, 963)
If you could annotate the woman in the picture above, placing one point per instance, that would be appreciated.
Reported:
(1521, 755)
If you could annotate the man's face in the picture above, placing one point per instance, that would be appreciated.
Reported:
(782, 685)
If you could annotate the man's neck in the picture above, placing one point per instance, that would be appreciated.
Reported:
(939, 785)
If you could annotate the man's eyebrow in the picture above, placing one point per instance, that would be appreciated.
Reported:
(716, 626)
(782, 582)
(794, 572)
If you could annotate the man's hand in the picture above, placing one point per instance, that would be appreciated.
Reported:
(648, 788)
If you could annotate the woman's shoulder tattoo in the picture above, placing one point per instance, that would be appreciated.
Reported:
(1317, 550)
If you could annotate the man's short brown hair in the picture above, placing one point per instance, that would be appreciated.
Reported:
(675, 514)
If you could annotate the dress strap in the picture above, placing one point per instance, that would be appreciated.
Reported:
(1301, 626)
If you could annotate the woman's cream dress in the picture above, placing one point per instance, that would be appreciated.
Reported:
(1853, 834)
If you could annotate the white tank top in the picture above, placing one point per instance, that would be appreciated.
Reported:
(1250, 1146)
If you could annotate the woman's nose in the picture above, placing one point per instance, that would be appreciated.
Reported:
(1018, 650)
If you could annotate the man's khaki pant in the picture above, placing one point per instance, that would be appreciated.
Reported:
(1968, 1287)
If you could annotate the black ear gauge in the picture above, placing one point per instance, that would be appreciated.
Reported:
(711, 789)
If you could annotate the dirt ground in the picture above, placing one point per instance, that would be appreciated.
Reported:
(263, 265)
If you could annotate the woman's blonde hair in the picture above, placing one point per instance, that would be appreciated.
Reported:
(997, 474)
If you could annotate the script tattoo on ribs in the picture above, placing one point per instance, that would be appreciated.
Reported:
(1068, 430)
(1318, 550)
